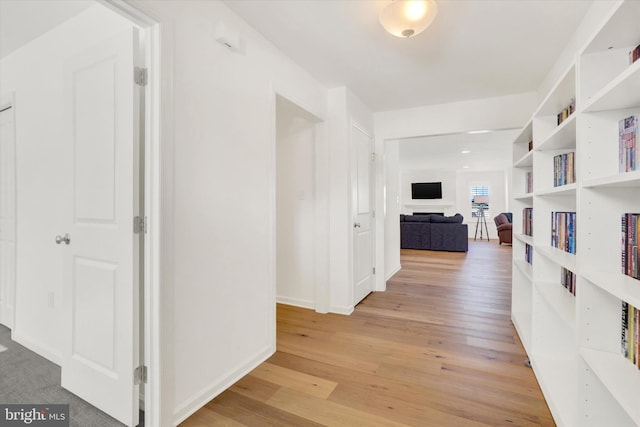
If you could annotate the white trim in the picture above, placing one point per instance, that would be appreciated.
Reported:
(296, 302)
(34, 345)
(393, 271)
(198, 400)
(8, 101)
(156, 140)
(341, 310)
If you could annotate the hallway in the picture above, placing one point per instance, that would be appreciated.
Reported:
(437, 349)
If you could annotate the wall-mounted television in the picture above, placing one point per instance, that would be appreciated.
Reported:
(426, 190)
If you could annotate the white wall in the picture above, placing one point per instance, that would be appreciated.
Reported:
(295, 205)
(224, 197)
(35, 74)
(449, 191)
(506, 112)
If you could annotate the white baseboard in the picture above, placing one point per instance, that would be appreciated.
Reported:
(198, 400)
(295, 302)
(42, 350)
(393, 271)
(341, 310)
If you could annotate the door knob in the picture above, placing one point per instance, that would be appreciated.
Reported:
(66, 239)
(356, 225)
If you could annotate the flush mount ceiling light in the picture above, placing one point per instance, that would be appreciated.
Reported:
(406, 18)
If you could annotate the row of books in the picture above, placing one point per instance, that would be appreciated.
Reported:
(629, 244)
(563, 231)
(568, 280)
(629, 156)
(528, 253)
(630, 331)
(529, 182)
(564, 171)
(566, 112)
(527, 221)
(634, 54)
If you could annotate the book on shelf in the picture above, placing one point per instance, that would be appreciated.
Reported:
(529, 182)
(564, 171)
(634, 54)
(528, 253)
(527, 221)
(531, 145)
(563, 231)
(566, 112)
(630, 256)
(568, 280)
(629, 339)
(628, 154)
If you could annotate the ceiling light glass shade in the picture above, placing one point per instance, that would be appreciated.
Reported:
(406, 18)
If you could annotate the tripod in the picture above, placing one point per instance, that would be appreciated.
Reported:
(481, 219)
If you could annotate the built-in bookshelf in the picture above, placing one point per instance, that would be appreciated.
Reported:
(574, 261)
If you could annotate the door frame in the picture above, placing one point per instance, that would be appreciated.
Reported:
(321, 204)
(8, 101)
(354, 125)
(158, 405)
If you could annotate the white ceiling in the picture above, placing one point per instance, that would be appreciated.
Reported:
(474, 48)
(24, 20)
(488, 151)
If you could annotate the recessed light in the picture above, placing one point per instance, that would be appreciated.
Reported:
(465, 152)
(465, 167)
(473, 132)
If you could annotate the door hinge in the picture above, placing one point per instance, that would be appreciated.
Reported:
(140, 225)
(140, 76)
(373, 214)
(140, 375)
(373, 157)
(374, 270)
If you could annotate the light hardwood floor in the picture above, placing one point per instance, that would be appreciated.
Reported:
(437, 349)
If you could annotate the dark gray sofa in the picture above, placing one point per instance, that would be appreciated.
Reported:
(434, 232)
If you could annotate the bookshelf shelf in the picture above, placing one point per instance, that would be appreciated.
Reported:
(560, 300)
(617, 284)
(525, 161)
(562, 258)
(528, 197)
(621, 93)
(621, 180)
(524, 238)
(525, 268)
(563, 400)
(619, 377)
(563, 190)
(564, 136)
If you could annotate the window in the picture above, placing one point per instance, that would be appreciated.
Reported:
(479, 190)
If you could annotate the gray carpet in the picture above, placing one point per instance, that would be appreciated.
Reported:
(26, 377)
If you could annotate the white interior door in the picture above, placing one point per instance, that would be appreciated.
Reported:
(100, 256)
(363, 232)
(7, 217)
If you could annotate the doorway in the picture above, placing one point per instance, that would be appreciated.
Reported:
(296, 205)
